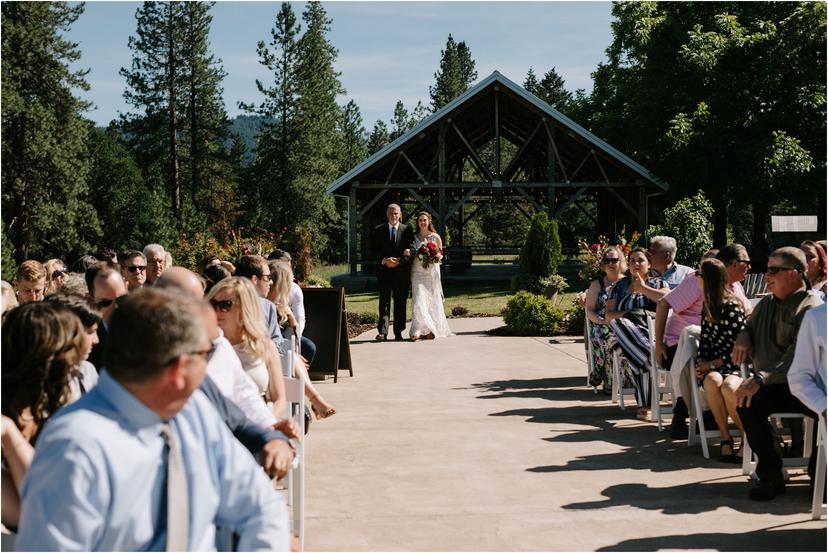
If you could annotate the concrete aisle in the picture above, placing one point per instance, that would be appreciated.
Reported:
(481, 443)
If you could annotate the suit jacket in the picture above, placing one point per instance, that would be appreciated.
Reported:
(384, 247)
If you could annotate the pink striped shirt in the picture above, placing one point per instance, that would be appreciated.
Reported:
(686, 301)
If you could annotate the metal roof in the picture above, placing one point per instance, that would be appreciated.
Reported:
(497, 78)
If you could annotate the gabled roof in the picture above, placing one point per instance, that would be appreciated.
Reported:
(481, 88)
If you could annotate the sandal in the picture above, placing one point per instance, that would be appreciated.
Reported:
(320, 414)
(728, 457)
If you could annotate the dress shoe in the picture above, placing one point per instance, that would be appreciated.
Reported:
(381, 338)
(767, 489)
(398, 338)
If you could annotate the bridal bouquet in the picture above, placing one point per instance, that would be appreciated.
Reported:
(428, 254)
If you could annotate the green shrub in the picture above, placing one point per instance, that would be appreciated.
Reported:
(319, 281)
(528, 314)
(690, 222)
(573, 324)
(459, 311)
(541, 252)
(538, 285)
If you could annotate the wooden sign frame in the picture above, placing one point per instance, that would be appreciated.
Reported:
(327, 327)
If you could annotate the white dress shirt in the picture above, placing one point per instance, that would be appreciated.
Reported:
(806, 377)
(225, 368)
(297, 305)
(97, 481)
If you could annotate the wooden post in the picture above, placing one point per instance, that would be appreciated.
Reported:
(642, 206)
(352, 230)
(497, 130)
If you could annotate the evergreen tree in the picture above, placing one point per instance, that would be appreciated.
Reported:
(402, 122)
(46, 210)
(379, 137)
(456, 74)
(353, 136)
(551, 89)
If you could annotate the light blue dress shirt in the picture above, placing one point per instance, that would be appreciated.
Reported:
(97, 481)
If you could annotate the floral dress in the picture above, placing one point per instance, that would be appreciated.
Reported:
(716, 340)
(601, 370)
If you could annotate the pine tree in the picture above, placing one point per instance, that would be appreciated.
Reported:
(456, 74)
(379, 137)
(46, 210)
(353, 137)
(402, 122)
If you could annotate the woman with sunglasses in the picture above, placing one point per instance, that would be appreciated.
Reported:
(282, 276)
(240, 317)
(817, 267)
(56, 271)
(630, 298)
(613, 268)
(723, 318)
(43, 346)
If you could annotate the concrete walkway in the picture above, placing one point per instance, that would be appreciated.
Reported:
(482, 443)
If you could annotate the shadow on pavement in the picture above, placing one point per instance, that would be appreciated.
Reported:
(791, 539)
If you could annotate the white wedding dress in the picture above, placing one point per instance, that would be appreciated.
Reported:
(427, 314)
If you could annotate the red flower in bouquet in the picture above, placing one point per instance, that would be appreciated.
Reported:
(428, 254)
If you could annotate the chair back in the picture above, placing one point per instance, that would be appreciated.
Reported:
(754, 284)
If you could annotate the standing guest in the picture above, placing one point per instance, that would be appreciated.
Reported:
(239, 315)
(806, 376)
(724, 317)
(84, 263)
(107, 254)
(90, 318)
(297, 306)
(212, 275)
(630, 297)
(30, 281)
(105, 286)
(390, 240)
(75, 285)
(143, 461)
(9, 298)
(134, 269)
(56, 271)
(663, 251)
(613, 268)
(682, 307)
(817, 271)
(156, 261)
(769, 339)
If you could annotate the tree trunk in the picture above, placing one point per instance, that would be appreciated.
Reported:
(717, 198)
(759, 252)
(175, 185)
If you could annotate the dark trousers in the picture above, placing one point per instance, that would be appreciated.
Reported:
(393, 283)
(776, 398)
(308, 350)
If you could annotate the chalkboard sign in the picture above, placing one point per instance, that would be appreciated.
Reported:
(327, 327)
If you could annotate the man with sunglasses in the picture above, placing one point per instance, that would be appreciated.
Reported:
(105, 286)
(254, 267)
(143, 461)
(134, 269)
(769, 340)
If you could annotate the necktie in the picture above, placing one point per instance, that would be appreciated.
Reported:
(393, 234)
(178, 512)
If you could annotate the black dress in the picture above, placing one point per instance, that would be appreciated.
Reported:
(716, 341)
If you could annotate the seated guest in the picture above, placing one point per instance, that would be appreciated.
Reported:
(769, 339)
(108, 255)
(56, 271)
(630, 297)
(156, 258)
(9, 298)
(143, 461)
(806, 376)
(134, 269)
(682, 307)
(84, 263)
(30, 281)
(105, 286)
(90, 318)
(297, 305)
(42, 348)
(724, 317)
(613, 268)
(240, 318)
(255, 269)
(280, 296)
(208, 260)
(817, 271)
(214, 274)
(663, 251)
(74, 285)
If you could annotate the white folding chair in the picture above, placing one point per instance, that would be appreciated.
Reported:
(696, 417)
(661, 382)
(590, 352)
(817, 502)
(618, 391)
(295, 396)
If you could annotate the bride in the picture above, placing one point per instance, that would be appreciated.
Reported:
(428, 320)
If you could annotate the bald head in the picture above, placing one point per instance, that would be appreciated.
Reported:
(183, 279)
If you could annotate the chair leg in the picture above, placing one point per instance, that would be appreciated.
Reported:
(817, 504)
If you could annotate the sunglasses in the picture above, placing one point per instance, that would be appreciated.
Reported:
(743, 261)
(137, 268)
(204, 354)
(774, 270)
(104, 303)
(222, 305)
(56, 273)
(610, 260)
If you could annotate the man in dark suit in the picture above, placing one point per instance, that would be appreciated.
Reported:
(391, 240)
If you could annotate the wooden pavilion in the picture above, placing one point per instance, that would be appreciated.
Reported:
(495, 143)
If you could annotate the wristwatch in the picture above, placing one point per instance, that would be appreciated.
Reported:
(758, 379)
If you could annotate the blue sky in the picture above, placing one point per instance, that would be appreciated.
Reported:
(387, 50)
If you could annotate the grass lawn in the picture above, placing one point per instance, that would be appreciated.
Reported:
(480, 298)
